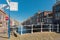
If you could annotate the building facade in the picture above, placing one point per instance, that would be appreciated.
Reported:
(56, 11)
(41, 21)
(45, 21)
(3, 21)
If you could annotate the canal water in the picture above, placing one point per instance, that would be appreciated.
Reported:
(28, 29)
(23, 30)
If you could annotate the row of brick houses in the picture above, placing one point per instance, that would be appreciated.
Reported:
(56, 12)
(50, 20)
(4, 22)
(45, 18)
(38, 18)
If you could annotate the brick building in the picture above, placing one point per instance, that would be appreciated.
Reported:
(3, 21)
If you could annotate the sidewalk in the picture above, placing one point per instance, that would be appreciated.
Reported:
(34, 36)
(3, 36)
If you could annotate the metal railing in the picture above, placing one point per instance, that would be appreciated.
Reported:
(40, 28)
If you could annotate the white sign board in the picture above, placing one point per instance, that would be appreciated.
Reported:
(2, 5)
(13, 6)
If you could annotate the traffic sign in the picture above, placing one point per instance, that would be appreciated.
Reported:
(13, 6)
(6, 18)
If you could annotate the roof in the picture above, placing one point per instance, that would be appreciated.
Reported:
(57, 3)
(2, 11)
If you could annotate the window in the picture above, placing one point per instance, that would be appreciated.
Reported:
(49, 20)
(57, 8)
(57, 14)
(42, 14)
(1, 17)
(0, 22)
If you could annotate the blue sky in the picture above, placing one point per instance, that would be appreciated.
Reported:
(27, 8)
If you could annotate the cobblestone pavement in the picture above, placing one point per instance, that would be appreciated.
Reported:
(3, 36)
(34, 36)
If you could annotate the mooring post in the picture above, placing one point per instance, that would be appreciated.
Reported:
(32, 29)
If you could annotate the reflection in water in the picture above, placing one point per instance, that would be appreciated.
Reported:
(23, 29)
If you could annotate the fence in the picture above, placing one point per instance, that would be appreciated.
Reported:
(40, 28)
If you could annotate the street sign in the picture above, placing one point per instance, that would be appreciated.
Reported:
(13, 6)
(2, 5)
(6, 18)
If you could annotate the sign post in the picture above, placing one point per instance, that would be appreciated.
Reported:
(9, 25)
(12, 6)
